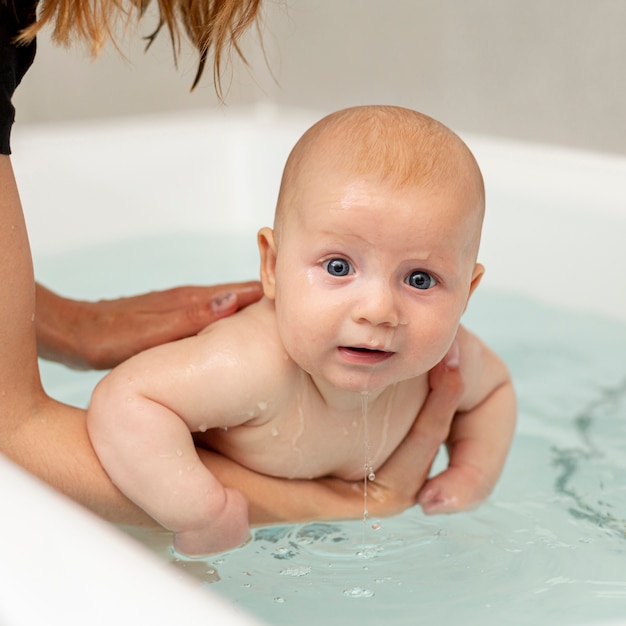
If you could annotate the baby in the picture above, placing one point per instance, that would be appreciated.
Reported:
(366, 274)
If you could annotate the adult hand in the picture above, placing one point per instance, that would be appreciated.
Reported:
(399, 481)
(99, 335)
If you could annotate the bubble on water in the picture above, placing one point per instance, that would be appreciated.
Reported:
(358, 592)
(283, 553)
(366, 553)
(376, 526)
(279, 600)
(303, 570)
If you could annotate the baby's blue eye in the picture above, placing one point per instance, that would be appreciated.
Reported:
(337, 267)
(420, 280)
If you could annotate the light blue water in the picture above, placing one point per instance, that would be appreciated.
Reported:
(548, 548)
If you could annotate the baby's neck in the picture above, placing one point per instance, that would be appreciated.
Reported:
(347, 401)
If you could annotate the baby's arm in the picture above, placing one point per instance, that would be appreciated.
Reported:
(480, 434)
(140, 422)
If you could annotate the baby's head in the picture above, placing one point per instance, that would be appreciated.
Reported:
(388, 144)
(373, 254)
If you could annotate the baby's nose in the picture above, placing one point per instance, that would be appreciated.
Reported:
(378, 307)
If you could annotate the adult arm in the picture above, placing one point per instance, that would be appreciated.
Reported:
(100, 335)
(47, 438)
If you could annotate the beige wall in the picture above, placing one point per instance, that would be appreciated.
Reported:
(540, 70)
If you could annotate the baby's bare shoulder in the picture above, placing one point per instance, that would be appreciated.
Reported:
(249, 339)
(482, 369)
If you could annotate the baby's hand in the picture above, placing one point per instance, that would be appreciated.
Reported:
(225, 531)
(459, 488)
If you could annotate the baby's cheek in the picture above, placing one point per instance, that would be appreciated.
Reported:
(310, 275)
(297, 328)
(435, 343)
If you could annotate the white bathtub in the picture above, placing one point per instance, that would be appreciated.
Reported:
(554, 230)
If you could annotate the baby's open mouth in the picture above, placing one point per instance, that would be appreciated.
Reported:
(364, 355)
(362, 349)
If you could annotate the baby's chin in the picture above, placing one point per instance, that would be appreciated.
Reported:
(360, 379)
(364, 384)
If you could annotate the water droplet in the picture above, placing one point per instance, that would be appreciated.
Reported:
(179, 452)
(262, 406)
(274, 432)
(279, 600)
(376, 526)
(371, 476)
(203, 428)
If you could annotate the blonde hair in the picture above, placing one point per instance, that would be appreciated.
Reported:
(394, 144)
(212, 26)
(400, 145)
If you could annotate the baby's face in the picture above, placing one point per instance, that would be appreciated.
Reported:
(371, 279)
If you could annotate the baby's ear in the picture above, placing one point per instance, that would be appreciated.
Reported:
(477, 274)
(267, 248)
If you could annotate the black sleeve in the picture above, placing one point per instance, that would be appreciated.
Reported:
(14, 60)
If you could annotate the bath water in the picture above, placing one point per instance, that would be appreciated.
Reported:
(548, 548)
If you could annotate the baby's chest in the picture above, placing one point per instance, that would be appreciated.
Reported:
(308, 444)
